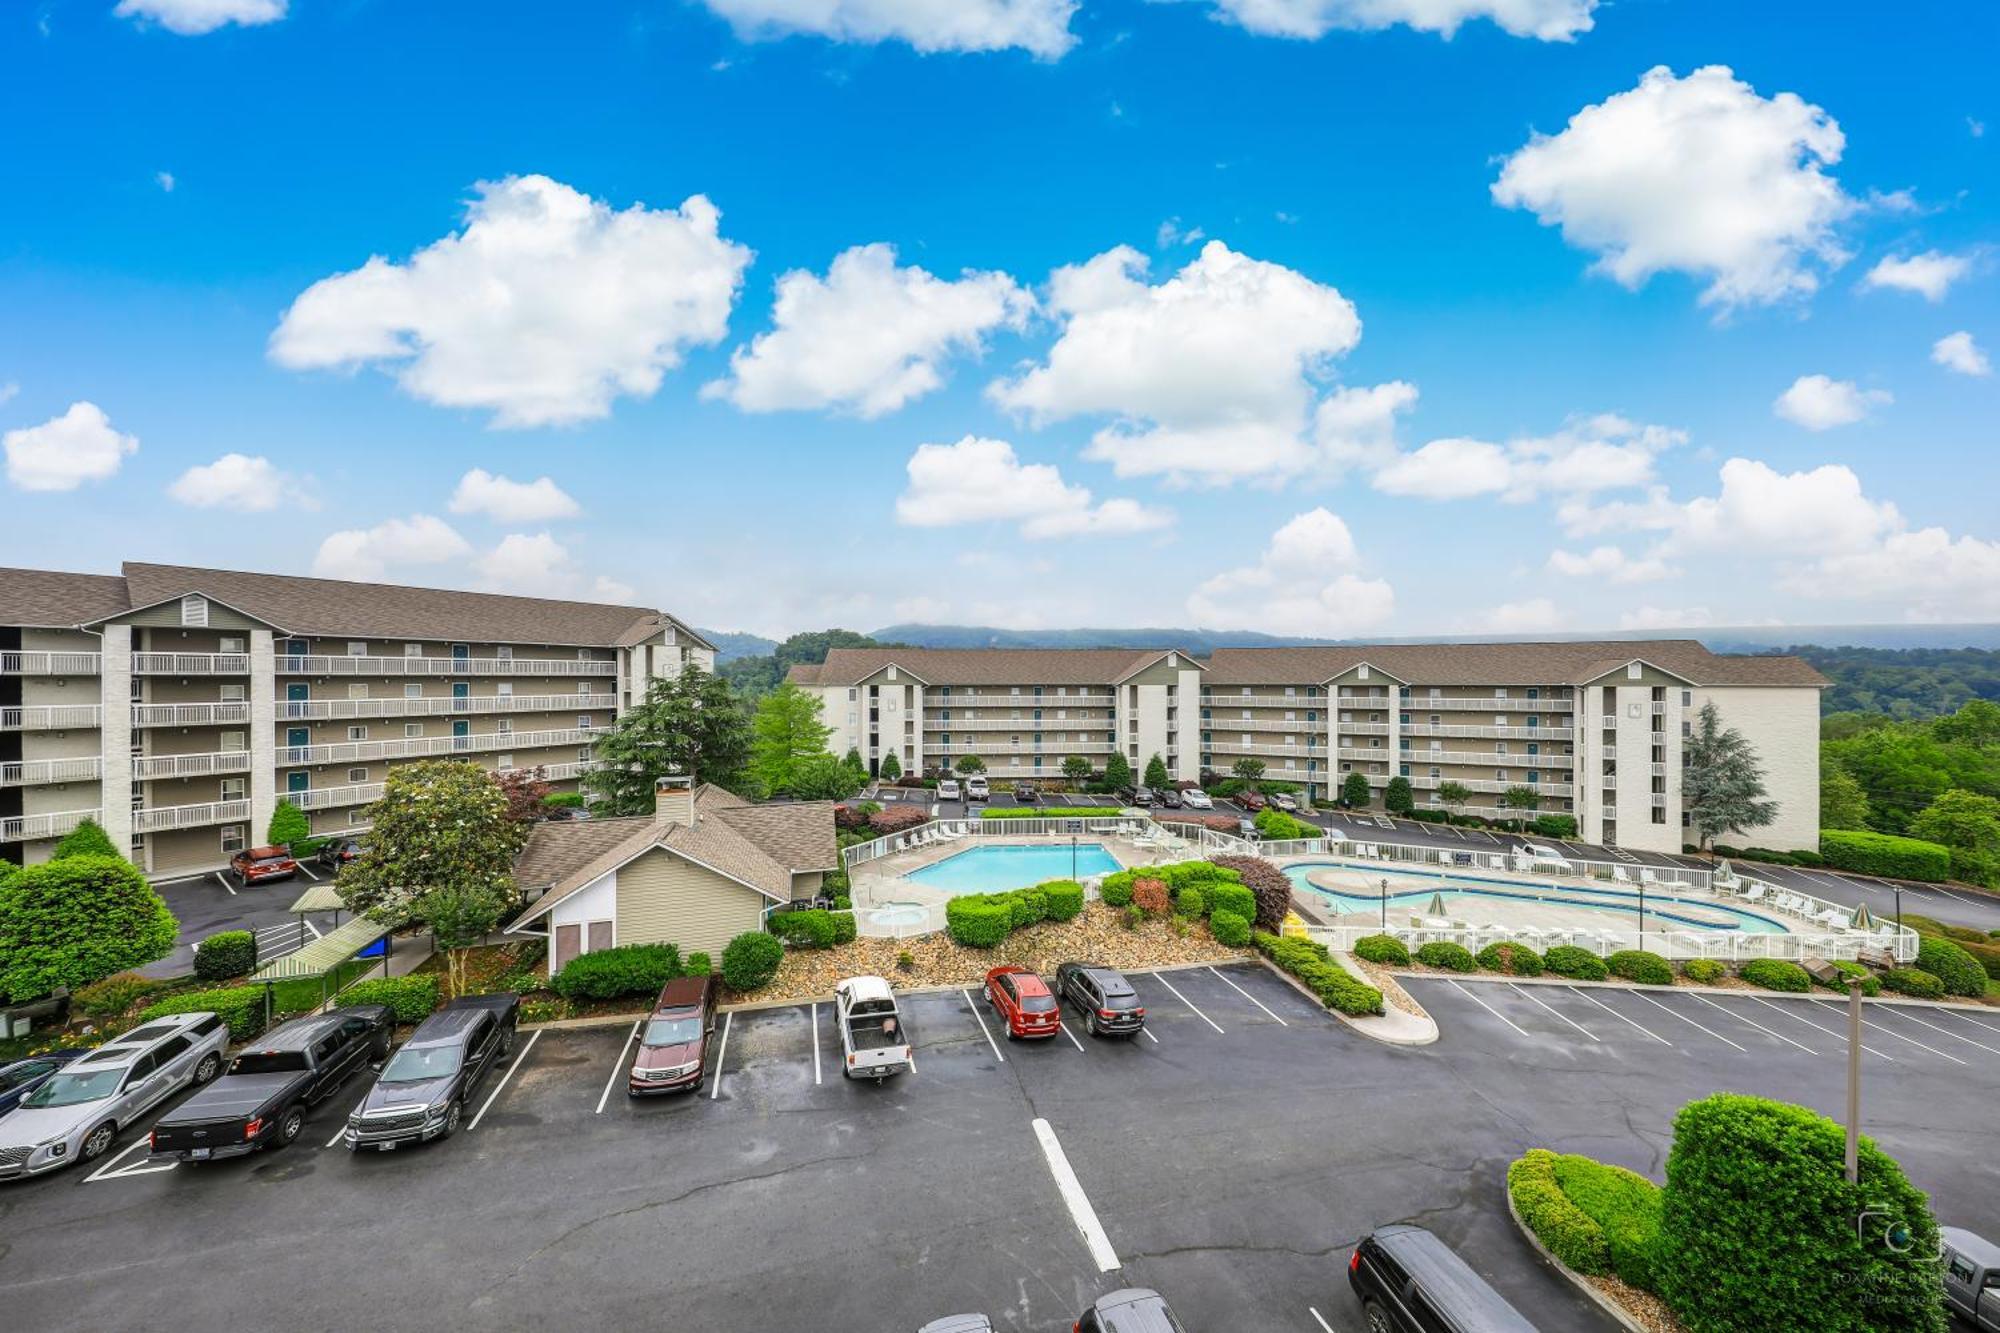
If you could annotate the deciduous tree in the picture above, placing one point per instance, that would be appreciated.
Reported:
(1354, 791)
(76, 920)
(786, 729)
(1077, 770)
(689, 724)
(1397, 798)
(1842, 802)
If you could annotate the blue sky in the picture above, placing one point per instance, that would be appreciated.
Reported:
(1573, 317)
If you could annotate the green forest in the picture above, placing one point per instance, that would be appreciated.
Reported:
(1935, 778)
(1904, 682)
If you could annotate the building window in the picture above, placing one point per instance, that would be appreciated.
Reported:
(413, 650)
(233, 837)
(503, 761)
(231, 644)
(505, 652)
(505, 689)
(413, 729)
(852, 694)
(357, 775)
(413, 691)
(1687, 698)
(357, 691)
(583, 754)
(582, 654)
(583, 687)
(357, 733)
(356, 648)
(232, 742)
(233, 788)
(1499, 775)
(583, 722)
(504, 725)
(233, 694)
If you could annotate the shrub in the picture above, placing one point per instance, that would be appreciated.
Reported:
(1230, 929)
(1640, 965)
(1724, 849)
(698, 964)
(412, 997)
(76, 920)
(1192, 902)
(1150, 896)
(1116, 890)
(289, 825)
(1960, 972)
(1384, 949)
(1704, 970)
(1569, 1233)
(1267, 883)
(1566, 960)
(114, 995)
(844, 930)
(978, 920)
(1281, 827)
(1765, 854)
(629, 969)
(1449, 956)
(811, 928)
(1804, 857)
(1912, 982)
(898, 819)
(1045, 812)
(1027, 906)
(1759, 1228)
(1626, 1208)
(1064, 898)
(1871, 986)
(1777, 974)
(842, 903)
(751, 960)
(564, 800)
(241, 1007)
(1309, 961)
(225, 954)
(1553, 826)
(1223, 896)
(1514, 959)
(1884, 854)
(88, 838)
(1135, 916)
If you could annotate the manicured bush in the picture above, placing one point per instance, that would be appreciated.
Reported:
(978, 920)
(750, 960)
(412, 997)
(1910, 981)
(1961, 973)
(1135, 916)
(289, 825)
(1724, 849)
(1191, 902)
(809, 929)
(697, 964)
(225, 954)
(1064, 898)
(566, 800)
(1988, 955)
(1803, 857)
(1224, 896)
(897, 819)
(88, 838)
(1272, 890)
(1871, 985)
(241, 1007)
(1705, 970)
(1566, 960)
(1569, 1232)
(1027, 906)
(1759, 1228)
(1884, 854)
(1640, 965)
(1116, 890)
(1514, 959)
(114, 995)
(1777, 974)
(76, 920)
(1047, 812)
(1626, 1208)
(1384, 949)
(1309, 961)
(1150, 896)
(1449, 956)
(1277, 826)
(844, 930)
(1553, 826)
(1230, 929)
(629, 969)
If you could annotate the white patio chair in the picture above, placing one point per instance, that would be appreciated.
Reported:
(1648, 877)
(1756, 893)
(1618, 873)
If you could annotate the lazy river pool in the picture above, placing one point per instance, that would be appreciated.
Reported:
(993, 869)
(1472, 898)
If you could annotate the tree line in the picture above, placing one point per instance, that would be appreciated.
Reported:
(1935, 778)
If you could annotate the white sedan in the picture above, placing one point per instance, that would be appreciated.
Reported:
(1194, 798)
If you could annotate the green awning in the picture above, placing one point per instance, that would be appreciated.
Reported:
(319, 898)
(325, 953)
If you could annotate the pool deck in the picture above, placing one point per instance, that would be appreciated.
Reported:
(1686, 908)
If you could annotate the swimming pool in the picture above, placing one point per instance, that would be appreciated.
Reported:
(1464, 896)
(991, 869)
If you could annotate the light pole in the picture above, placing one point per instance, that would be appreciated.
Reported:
(1854, 1080)
(1642, 912)
(1385, 905)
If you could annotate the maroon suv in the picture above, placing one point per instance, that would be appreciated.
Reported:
(673, 1047)
(254, 865)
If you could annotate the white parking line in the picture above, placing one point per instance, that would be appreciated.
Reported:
(109, 1170)
(1867, 1022)
(310, 926)
(1901, 1013)
(1615, 1014)
(1816, 1027)
(1071, 1035)
(1970, 1019)
(971, 1004)
(1186, 1001)
(1319, 1319)
(815, 1030)
(1759, 1026)
(223, 880)
(1489, 1008)
(1247, 995)
(307, 873)
(1557, 1012)
(1147, 1033)
(721, 1053)
(1078, 1202)
(624, 1051)
(1690, 1022)
(533, 1037)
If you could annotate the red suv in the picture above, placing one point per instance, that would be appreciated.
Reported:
(673, 1048)
(254, 865)
(1023, 1000)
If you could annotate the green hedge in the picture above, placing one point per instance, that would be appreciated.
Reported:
(1230, 929)
(698, 964)
(1567, 960)
(1884, 854)
(1117, 894)
(844, 929)
(982, 920)
(1704, 970)
(811, 928)
(1190, 901)
(1569, 1233)
(1912, 982)
(1312, 964)
(1626, 1208)
(1384, 949)
(1871, 985)
(242, 1007)
(226, 954)
(1640, 965)
(114, 995)
(1228, 896)
(629, 969)
(412, 997)
(1514, 959)
(1065, 899)
(1777, 974)
(1049, 812)
(751, 960)
(1449, 956)
(1278, 826)
(1961, 973)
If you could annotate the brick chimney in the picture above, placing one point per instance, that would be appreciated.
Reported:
(673, 799)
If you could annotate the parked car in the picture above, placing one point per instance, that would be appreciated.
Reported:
(1025, 795)
(1133, 1310)
(975, 787)
(1141, 796)
(1170, 797)
(873, 1042)
(1109, 1005)
(75, 1115)
(949, 790)
(255, 865)
(1247, 830)
(1971, 1278)
(959, 1323)
(673, 1046)
(1285, 801)
(22, 1077)
(421, 1093)
(1251, 801)
(1409, 1281)
(1194, 798)
(334, 854)
(1023, 1001)
(263, 1100)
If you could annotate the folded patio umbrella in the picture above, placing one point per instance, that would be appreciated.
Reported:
(1863, 918)
(1437, 905)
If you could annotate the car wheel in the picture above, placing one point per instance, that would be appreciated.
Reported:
(506, 1042)
(290, 1125)
(1090, 1025)
(1377, 1317)
(452, 1115)
(97, 1141)
(210, 1066)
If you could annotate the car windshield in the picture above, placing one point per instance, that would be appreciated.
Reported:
(672, 1031)
(26, 1072)
(75, 1089)
(418, 1064)
(1038, 1004)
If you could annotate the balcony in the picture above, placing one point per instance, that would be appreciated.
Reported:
(1001, 699)
(1489, 733)
(24, 828)
(1296, 726)
(327, 798)
(1273, 751)
(166, 818)
(190, 664)
(288, 665)
(51, 717)
(32, 663)
(156, 766)
(1426, 782)
(1376, 756)
(553, 772)
(337, 710)
(1417, 703)
(355, 752)
(1478, 758)
(1361, 728)
(190, 715)
(41, 772)
(1048, 722)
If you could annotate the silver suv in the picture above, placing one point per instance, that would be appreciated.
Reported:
(76, 1115)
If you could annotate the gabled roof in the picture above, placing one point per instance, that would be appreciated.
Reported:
(985, 666)
(48, 599)
(1562, 663)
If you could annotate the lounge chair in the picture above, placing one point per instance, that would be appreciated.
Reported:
(1648, 877)
(1618, 873)
(1755, 893)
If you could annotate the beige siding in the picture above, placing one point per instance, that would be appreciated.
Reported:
(663, 899)
(1782, 726)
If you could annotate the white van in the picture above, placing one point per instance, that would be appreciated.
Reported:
(975, 787)
(947, 789)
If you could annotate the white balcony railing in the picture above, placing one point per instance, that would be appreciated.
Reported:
(166, 818)
(1488, 733)
(319, 665)
(155, 766)
(51, 717)
(190, 664)
(1298, 725)
(354, 752)
(1478, 758)
(36, 663)
(552, 772)
(41, 772)
(1076, 698)
(1417, 703)
(23, 828)
(1361, 728)
(326, 798)
(190, 715)
(336, 710)
(1047, 722)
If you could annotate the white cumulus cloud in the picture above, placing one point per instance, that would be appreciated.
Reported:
(1530, 616)
(1957, 352)
(982, 481)
(545, 307)
(1930, 274)
(1308, 582)
(867, 338)
(1697, 174)
(66, 451)
(1451, 469)
(1820, 403)
(509, 501)
(191, 18)
(1037, 26)
(1600, 452)
(368, 554)
(1666, 617)
(240, 483)
(1609, 563)
(1549, 20)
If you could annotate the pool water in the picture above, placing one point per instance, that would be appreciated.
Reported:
(993, 869)
(1469, 899)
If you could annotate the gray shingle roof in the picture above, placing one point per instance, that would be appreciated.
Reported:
(984, 666)
(1574, 663)
(47, 599)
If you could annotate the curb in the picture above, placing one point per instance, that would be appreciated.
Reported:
(1610, 1307)
(1349, 1019)
(1817, 993)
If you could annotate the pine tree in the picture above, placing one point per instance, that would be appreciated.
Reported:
(1117, 771)
(1156, 773)
(892, 767)
(288, 825)
(689, 724)
(1722, 786)
(1397, 798)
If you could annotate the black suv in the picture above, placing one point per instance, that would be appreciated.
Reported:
(1025, 795)
(421, 1093)
(1409, 1281)
(337, 852)
(1133, 1310)
(1110, 1006)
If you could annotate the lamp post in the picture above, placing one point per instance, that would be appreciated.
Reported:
(1642, 912)
(1854, 1080)
(1385, 905)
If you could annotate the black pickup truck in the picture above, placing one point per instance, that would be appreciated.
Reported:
(261, 1102)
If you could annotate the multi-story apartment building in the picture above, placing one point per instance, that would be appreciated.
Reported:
(1596, 730)
(176, 706)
